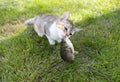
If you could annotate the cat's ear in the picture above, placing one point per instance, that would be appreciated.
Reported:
(65, 16)
(76, 29)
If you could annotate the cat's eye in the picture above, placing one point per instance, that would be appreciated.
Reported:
(66, 28)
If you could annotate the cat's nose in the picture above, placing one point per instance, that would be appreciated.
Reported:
(67, 33)
(70, 34)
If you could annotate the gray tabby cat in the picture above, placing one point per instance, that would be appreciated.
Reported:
(53, 27)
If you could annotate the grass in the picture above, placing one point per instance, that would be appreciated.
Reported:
(25, 57)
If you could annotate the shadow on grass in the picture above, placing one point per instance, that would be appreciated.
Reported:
(37, 60)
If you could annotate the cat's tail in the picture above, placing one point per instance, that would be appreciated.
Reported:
(30, 21)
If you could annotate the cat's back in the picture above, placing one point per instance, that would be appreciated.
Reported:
(46, 18)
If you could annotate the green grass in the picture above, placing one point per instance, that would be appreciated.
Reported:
(25, 57)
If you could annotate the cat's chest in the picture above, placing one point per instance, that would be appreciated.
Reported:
(55, 32)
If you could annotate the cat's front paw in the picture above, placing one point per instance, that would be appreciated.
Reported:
(59, 40)
(52, 43)
(76, 52)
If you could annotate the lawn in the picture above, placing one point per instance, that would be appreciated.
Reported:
(26, 57)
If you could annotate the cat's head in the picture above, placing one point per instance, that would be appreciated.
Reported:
(66, 25)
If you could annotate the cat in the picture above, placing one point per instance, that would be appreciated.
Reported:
(55, 28)
(67, 51)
